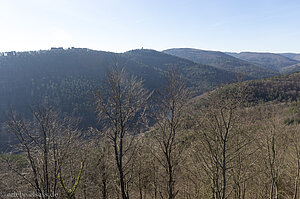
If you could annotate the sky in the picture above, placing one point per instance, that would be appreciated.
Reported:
(122, 25)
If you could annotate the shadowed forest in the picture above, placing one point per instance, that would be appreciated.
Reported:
(238, 141)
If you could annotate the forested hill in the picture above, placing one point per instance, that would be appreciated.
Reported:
(65, 78)
(68, 77)
(223, 61)
(283, 88)
(294, 56)
(199, 76)
(65, 75)
(269, 60)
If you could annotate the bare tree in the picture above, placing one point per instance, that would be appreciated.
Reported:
(168, 130)
(275, 140)
(222, 143)
(121, 106)
(294, 139)
(45, 140)
(100, 178)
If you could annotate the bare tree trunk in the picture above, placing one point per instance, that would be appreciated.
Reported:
(121, 103)
(104, 183)
(171, 104)
(224, 167)
(45, 141)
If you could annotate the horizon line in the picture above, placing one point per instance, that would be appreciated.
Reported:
(72, 47)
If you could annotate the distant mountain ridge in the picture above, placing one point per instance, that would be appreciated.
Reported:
(223, 61)
(293, 56)
(196, 75)
(268, 60)
(67, 76)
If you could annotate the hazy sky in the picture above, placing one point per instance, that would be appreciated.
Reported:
(121, 25)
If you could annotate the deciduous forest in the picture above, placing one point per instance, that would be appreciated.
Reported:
(238, 141)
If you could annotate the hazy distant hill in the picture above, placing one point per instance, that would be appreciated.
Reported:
(233, 54)
(200, 76)
(67, 77)
(269, 60)
(222, 60)
(291, 69)
(294, 56)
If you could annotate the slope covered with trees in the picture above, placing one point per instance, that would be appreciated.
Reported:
(283, 88)
(291, 69)
(199, 76)
(220, 147)
(269, 60)
(293, 56)
(223, 61)
(67, 78)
